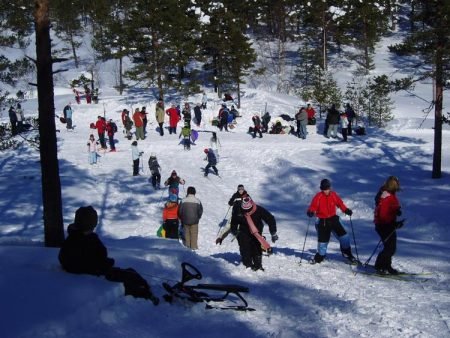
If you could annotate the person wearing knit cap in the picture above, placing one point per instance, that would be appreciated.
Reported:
(323, 206)
(82, 252)
(252, 217)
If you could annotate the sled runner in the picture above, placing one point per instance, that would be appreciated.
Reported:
(198, 293)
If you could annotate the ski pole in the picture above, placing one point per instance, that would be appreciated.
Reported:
(376, 248)
(304, 242)
(354, 238)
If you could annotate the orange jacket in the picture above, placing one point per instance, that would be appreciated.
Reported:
(170, 211)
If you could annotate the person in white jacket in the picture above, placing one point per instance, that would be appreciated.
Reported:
(135, 155)
(344, 126)
(92, 149)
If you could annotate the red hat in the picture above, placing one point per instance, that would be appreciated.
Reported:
(206, 150)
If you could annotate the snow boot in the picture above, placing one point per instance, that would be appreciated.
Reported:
(318, 258)
(347, 253)
(257, 263)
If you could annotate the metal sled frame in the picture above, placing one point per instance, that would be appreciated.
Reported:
(196, 293)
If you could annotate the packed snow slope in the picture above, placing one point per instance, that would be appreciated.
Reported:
(281, 173)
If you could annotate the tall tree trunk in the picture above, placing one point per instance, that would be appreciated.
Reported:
(51, 185)
(74, 50)
(121, 76)
(439, 85)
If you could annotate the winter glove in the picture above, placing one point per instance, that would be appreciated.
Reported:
(310, 213)
(348, 212)
(219, 240)
(274, 238)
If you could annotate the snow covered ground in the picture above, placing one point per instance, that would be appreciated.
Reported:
(282, 173)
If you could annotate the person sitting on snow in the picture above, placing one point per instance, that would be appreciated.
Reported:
(82, 252)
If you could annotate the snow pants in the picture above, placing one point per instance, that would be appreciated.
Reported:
(324, 228)
(191, 235)
(171, 228)
(388, 236)
(135, 285)
(250, 250)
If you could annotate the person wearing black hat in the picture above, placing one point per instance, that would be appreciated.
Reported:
(82, 252)
(323, 206)
(174, 182)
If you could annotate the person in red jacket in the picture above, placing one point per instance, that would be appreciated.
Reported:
(174, 117)
(387, 208)
(100, 125)
(139, 124)
(324, 205)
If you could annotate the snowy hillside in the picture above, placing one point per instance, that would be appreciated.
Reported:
(281, 173)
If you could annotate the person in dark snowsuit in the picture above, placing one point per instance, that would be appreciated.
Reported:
(154, 167)
(257, 126)
(249, 246)
(212, 161)
(13, 120)
(82, 252)
(198, 114)
(223, 117)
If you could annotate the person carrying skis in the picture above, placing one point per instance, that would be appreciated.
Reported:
(170, 217)
(190, 212)
(234, 202)
(212, 161)
(387, 208)
(248, 228)
(82, 252)
(323, 206)
(174, 182)
(160, 115)
(154, 167)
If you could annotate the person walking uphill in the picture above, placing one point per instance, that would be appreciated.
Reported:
(190, 212)
(212, 161)
(174, 182)
(82, 252)
(248, 228)
(385, 218)
(324, 205)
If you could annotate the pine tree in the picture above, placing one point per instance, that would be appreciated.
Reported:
(430, 39)
(379, 103)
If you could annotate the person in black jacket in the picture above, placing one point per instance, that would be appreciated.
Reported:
(249, 246)
(84, 253)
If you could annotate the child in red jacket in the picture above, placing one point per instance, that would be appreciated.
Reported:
(387, 208)
(323, 205)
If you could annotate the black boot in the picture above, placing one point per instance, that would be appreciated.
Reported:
(347, 253)
(318, 258)
(257, 263)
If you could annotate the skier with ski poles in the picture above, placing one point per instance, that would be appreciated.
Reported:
(248, 228)
(385, 218)
(324, 205)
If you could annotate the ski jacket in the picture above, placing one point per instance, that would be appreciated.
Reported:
(138, 120)
(302, 116)
(344, 121)
(12, 115)
(185, 132)
(174, 182)
(238, 221)
(212, 160)
(324, 206)
(110, 128)
(190, 210)
(92, 146)
(134, 152)
(100, 125)
(84, 252)
(311, 112)
(333, 116)
(223, 115)
(256, 121)
(159, 114)
(237, 198)
(128, 123)
(153, 165)
(67, 111)
(170, 211)
(387, 209)
(124, 118)
(350, 113)
(174, 117)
